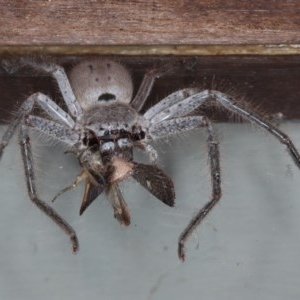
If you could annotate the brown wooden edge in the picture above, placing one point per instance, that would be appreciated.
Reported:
(189, 50)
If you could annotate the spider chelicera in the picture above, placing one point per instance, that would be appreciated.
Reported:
(104, 123)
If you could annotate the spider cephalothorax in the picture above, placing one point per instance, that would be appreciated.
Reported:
(104, 124)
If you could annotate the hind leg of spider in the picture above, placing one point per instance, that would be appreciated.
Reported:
(27, 157)
(56, 71)
(215, 171)
(147, 84)
(181, 124)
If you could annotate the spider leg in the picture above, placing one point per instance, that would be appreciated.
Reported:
(30, 181)
(178, 125)
(170, 117)
(171, 107)
(190, 104)
(152, 153)
(215, 174)
(169, 101)
(229, 103)
(58, 73)
(46, 104)
(147, 84)
(52, 129)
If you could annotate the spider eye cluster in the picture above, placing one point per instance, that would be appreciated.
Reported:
(100, 81)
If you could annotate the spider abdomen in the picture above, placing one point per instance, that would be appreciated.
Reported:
(100, 81)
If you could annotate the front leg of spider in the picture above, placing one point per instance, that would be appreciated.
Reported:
(59, 127)
(30, 181)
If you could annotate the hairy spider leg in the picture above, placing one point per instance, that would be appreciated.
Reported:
(26, 151)
(53, 129)
(46, 104)
(61, 130)
(215, 175)
(171, 108)
(59, 74)
(176, 126)
(169, 116)
(147, 85)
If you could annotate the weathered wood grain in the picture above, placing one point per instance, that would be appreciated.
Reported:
(184, 22)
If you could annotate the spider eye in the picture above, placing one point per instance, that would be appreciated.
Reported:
(106, 97)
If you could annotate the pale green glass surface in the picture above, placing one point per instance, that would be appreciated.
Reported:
(247, 248)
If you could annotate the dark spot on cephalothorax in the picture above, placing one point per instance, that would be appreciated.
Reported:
(90, 139)
(85, 141)
(138, 136)
(91, 68)
(137, 133)
(106, 97)
(96, 79)
(108, 78)
(108, 65)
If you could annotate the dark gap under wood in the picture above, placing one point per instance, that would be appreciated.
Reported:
(270, 83)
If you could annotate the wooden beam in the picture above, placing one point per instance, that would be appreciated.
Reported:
(164, 25)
